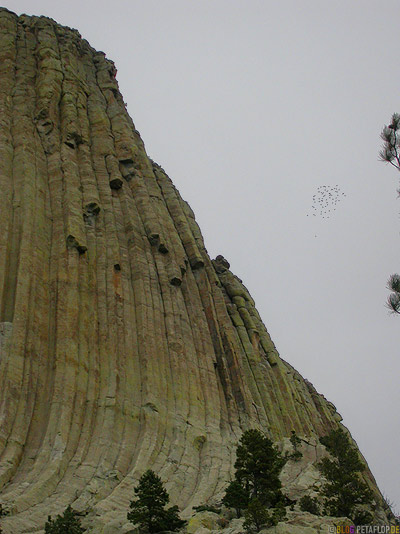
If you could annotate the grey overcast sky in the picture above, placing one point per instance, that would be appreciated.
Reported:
(251, 106)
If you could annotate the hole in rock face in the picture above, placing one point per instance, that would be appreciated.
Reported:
(154, 238)
(92, 208)
(81, 249)
(197, 264)
(116, 183)
(72, 242)
(117, 267)
(126, 161)
(73, 140)
(150, 406)
(175, 281)
(163, 249)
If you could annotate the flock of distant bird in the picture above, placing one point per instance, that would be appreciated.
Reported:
(325, 200)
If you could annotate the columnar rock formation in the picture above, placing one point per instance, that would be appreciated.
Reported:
(123, 346)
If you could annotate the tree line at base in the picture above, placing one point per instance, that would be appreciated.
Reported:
(256, 490)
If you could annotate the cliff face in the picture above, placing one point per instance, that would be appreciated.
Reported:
(123, 346)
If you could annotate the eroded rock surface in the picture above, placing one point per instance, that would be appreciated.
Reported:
(129, 347)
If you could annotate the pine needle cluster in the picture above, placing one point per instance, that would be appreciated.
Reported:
(390, 151)
(393, 300)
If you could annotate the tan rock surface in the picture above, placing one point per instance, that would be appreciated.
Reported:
(202, 521)
(296, 523)
(122, 345)
(305, 523)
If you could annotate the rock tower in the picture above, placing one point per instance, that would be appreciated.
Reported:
(123, 346)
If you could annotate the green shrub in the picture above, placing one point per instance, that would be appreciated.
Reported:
(67, 523)
(148, 511)
(309, 504)
(296, 442)
(362, 517)
(258, 465)
(257, 516)
(207, 508)
(256, 487)
(344, 488)
(236, 496)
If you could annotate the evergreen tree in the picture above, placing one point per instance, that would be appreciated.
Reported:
(236, 497)
(309, 504)
(67, 523)
(344, 489)
(390, 153)
(149, 509)
(258, 465)
(257, 488)
(257, 516)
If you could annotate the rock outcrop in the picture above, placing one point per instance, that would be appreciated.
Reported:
(123, 346)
